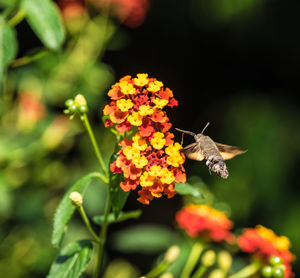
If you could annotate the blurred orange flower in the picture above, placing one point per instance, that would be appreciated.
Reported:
(264, 243)
(205, 221)
(71, 8)
(31, 110)
(150, 158)
(131, 12)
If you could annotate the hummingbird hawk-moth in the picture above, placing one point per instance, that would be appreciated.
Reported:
(214, 153)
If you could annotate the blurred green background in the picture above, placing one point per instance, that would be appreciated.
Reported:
(230, 62)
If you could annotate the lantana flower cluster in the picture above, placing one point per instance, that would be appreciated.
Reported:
(206, 222)
(150, 159)
(264, 243)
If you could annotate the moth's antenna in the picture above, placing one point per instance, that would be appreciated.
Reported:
(187, 132)
(205, 127)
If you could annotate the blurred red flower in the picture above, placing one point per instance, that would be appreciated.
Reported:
(131, 13)
(264, 243)
(205, 221)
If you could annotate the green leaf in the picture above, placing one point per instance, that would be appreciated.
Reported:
(66, 209)
(72, 260)
(122, 217)
(146, 239)
(44, 19)
(8, 46)
(188, 189)
(118, 196)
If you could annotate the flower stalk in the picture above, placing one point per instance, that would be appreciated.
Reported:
(87, 223)
(247, 271)
(87, 125)
(102, 237)
(192, 259)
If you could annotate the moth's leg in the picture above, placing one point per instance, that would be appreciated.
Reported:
(182, 138)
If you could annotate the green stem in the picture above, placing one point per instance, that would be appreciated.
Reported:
(157, 270)
(200, 271)
(95, 145)
(17, 18)
(28, 59)
(87, 223)
(102, 237)
(192, 259)
(247, 271)
(102, 177)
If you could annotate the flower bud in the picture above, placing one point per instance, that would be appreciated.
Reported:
(76, 198)
(267, 271)
(278, 272)
(172, 254)
(217, 273)
(275, 261)
(209, 258)
(224, 260)
(80, 100)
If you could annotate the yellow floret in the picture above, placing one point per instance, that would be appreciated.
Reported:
(124, 104)
(135, 119)
(141, 80)
(146, 180)
(155, 171)
(145, 110)
(140, 162)
(131, 152)
(155, 86)
(160, 103)
(158, 142)
(167, 176)
(282, 243)
(173, 149)
(127, 88)
(139, 142)
(174, 160)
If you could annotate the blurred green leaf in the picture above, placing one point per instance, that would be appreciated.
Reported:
(122, 217)
(45, 21)
(146, 239)
(66, 209)
(188, 189)
(8, 46)
(118, 196)
(72, 260)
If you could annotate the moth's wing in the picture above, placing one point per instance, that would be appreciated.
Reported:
(193, 151)
(228, 152)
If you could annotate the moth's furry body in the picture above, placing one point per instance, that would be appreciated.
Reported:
(211, 154)
(214, 153)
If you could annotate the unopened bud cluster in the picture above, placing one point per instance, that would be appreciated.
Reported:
(275, 268)
(76, 198)
(78, 105)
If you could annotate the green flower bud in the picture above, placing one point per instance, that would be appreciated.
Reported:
(267, 271)
(209, 258)
(76, 198)
(172, 254)
(72, 108)
(224, 260)
(275, 260)
(278, 272)
(69, 102)
(83, 109)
